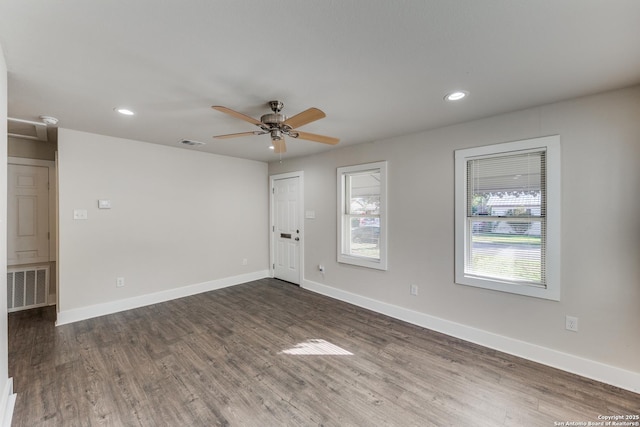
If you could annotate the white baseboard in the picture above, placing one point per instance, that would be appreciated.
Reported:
(83, 313)
(618, 377)
(7, 403)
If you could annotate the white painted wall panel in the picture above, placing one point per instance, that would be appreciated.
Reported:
(600, 137)
(178, 218)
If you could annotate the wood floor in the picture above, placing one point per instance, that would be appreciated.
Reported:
(223, 358)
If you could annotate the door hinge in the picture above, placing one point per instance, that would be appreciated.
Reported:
(48, 235)
(273, 190)
(273, 228)
(274, 266)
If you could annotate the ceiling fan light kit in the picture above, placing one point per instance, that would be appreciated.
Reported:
(277, 125)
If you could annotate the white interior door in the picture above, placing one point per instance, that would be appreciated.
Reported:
(28, 214)
(286, 229)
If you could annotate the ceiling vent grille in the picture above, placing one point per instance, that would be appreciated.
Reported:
(26, 129)
(191, 142)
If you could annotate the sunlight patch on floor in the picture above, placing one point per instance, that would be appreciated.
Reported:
(316, 347)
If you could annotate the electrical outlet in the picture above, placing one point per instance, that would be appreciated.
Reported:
(119, 282)
(413, 290)
(321, 268)
(245, 261)
(80, 214)
(571, 323)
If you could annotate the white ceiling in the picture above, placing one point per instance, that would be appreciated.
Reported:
(377, 68)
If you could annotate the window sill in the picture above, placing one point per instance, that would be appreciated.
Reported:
(362, 262)
(518, 289)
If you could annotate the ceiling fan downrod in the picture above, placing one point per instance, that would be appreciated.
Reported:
(276, 106)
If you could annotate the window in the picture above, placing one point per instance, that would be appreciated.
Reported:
(362, 225)
(507, 217)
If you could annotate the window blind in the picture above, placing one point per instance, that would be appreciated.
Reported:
(506, 217)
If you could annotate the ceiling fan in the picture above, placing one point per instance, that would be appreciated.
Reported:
(277, 125)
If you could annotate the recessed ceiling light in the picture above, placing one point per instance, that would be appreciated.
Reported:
(456, 95)
(124, 111)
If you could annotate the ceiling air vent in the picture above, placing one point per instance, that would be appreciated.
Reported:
(26, 129)
(191, 142)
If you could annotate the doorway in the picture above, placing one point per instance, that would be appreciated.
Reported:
(31, 232)
(287, 226)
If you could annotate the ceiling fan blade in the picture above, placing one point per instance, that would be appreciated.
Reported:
(235, 135)
(237, 114)
(279, 146)
(307, 116)
(317, 138)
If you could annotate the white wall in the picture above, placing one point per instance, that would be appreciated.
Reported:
(7, 398)
(600, 137)
(179, 219)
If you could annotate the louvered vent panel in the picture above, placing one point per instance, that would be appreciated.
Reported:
(42, 286)
(27, 287)
(10, 277)
(18, 290)
(30, 288)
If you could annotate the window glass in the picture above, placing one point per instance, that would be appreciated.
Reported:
(363, 212)
(508, 217)
(505, 217)
(361, 237)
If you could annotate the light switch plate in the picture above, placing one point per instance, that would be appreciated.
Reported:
(104, 204)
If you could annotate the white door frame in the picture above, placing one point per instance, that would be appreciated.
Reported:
(53, 229)
(272, 218)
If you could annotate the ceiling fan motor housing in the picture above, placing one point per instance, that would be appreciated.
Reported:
(274, 122)
(273, 119)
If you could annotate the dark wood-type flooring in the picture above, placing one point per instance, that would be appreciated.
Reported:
(217, 359)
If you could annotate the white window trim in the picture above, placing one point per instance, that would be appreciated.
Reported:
(552, 146)
(380, 264)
